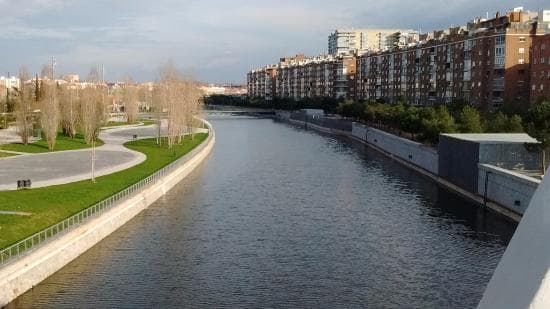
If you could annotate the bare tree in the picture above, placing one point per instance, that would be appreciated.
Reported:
(157, 103)
(91, 112)
(181, 98)
(23, 107)
(69, 109)
(131, 104)
(49, 107)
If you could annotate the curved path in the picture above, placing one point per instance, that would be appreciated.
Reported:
(47, 169)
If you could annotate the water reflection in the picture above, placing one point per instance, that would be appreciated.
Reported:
(284, 217)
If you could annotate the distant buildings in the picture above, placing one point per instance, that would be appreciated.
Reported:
(302, 77)
(9, 82)
(212, 89)
(358, 41)
(72, 78)
(487, 62)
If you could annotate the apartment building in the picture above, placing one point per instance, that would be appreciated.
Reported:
(487, 63)
(260, 82)
(484, 63)
(540, 60)
(302, 77)
(540, 68)
(359, 41)
(10, 82)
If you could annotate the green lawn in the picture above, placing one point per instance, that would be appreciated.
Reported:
(52, 204)
(62, 143)
(6, 154)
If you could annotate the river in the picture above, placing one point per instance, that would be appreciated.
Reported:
(279, 216)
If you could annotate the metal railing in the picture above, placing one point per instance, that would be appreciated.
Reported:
(26, 245)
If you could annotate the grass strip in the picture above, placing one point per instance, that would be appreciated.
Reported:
(50, 205)
(62, 143)
(6, 154)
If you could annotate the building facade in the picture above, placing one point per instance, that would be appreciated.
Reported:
(10, 82)
(540, 68)
(486, 63)
(359, 41)
(303, 77)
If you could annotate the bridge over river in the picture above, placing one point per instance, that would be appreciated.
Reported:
(279, 217)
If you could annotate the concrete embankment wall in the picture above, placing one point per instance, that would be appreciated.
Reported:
(506, 187)
(286, 116)
(412, 152)
(522, 278)
(21, 275)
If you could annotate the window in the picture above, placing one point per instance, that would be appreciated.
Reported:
(521, 50)
(522, 39)
(499, 51)
(542, 60)
(521, 61)
(499, 40)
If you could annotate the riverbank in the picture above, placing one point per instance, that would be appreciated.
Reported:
(424, 160)
(83, 230)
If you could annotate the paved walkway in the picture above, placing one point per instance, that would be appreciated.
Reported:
(47, 169)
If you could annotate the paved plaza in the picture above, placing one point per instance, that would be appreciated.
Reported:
(54, 168)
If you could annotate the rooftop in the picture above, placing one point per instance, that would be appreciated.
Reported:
(494, 138)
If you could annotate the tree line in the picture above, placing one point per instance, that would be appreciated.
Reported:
(423, 123)
(70, 109)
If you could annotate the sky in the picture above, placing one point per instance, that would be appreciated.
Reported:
(214, 41)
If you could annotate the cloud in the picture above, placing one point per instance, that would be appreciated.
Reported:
(18, 32)
(219, 40)
(15, 8)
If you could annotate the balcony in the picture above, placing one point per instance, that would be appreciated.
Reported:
(498, 84)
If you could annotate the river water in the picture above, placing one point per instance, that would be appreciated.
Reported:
(283, 217)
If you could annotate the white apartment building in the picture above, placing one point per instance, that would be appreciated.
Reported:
(359, 41)
(9, 82)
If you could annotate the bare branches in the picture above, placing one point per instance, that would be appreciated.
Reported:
(131, 104)
(69, 109)
(91, 112)
(181, 98)
(23, 107)
(49, 107)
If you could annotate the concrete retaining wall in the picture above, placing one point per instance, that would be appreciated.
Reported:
(415, 153)
(522, 278)
(21, 275)
(286, 116)
(507, 188)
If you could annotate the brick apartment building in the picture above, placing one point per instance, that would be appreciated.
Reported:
(486, 63)
(540, 68)
(302, 77)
